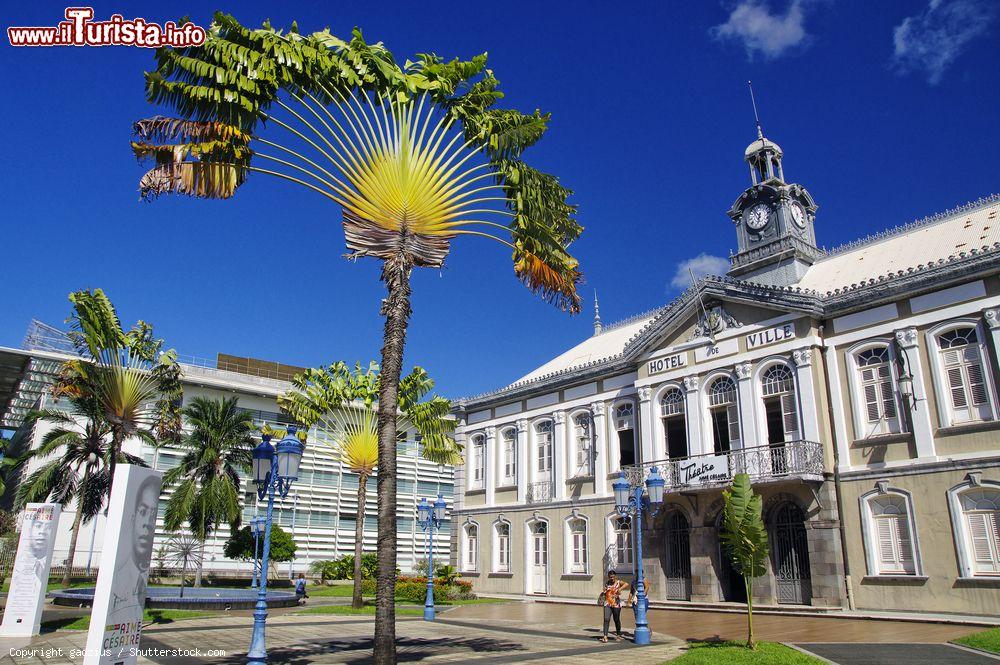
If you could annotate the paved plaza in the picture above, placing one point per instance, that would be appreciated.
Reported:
(513, 632)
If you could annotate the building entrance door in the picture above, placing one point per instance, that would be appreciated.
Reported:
(678, 569)
(539, 558)
(790, 553)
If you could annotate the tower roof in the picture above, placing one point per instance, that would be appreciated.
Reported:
(761, 144)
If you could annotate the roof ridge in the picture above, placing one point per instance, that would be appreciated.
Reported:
(909, 226)
(621, 323)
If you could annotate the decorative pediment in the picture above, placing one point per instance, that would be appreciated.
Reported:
(713, 322)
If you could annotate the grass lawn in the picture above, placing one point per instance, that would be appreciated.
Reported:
(735, 653)
(337, 590)
(473, 601)
(149, 616)
(368, 609)
(987, 640)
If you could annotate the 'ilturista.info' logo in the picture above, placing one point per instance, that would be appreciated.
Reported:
(80, 30)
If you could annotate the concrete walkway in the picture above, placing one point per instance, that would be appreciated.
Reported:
(897, 654)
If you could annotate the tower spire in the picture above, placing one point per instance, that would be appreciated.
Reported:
(597, 315)
(753, 102)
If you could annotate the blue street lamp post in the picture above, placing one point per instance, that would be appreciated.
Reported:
(274, 471)
(429, 518)
(255, 524)
(631, 502)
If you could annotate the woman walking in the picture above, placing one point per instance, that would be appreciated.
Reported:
(611, 600)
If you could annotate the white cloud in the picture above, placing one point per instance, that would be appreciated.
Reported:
(931, 40)
(771, 34)
(701, 265)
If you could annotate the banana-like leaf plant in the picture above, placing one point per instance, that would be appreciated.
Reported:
(342, 402)
(126, 373)
(745, 537)
(414, 155)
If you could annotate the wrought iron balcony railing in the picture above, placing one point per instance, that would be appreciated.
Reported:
(792, 459)
(540, 492)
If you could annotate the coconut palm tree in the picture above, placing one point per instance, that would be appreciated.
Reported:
(81, 472)
(343, 402)
(135, 384)
(415, 156)
(206, 483)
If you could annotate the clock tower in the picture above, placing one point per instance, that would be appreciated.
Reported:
(774, 221)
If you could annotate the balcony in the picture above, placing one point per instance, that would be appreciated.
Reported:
(802, 460)
(540, 492)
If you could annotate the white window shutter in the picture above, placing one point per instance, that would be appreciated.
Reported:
(871, 403)
(977, 384)
(985, 536)
(733, 416)
(895, 547)
(886, 543)
(791, 417)
(888, 397)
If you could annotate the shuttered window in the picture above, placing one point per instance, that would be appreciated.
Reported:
(509, 455)
(623, 542)
(725, 414)
(503, 548)
(471, 546)
(893, 543)
(878, 394)
(777, 384)
(962, 357)
(981, 515)
(578, 544)
(543, 433)
(478, 461)
(584, 444)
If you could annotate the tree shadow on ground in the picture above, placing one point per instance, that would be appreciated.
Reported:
(358, 651)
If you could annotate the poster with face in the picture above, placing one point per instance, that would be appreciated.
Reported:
(30, 577)
(116, 619)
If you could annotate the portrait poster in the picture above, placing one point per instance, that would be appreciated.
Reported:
(30, 577)
(116, 619)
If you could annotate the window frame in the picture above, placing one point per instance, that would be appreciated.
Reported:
(587, 469)
(760, 408)
(537, 435)
(469, 544)
(870, 535)
(942, 391)
(478, 479)
(856, 386)
(963, 547)
(500, 548)
(572, 541)
(630, 426)
(732, 408)
(509, 456)
(611, 534)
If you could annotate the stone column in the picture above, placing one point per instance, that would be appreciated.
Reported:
(523, 469)
(807, 393)
(599, 432)
(704, 550)
(559, 456)
(490, 462)
(647, 445)
(923, 427)
(693, 416)
(748, 424)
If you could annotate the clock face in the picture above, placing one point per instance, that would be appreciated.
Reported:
(758, 216)
(798, 214)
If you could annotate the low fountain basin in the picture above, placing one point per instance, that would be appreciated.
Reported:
(204, 598)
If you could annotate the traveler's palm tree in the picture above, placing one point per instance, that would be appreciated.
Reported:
(185, 550)
(81, 472)
(415, 156)
(745, 537)
(206, 483)
(135, 384)
(342, 402)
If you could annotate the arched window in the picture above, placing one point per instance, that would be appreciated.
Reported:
(964, 372)
(470, 547)
(501, 547)
(584, 445)
(478, 461)
(674, 423)
(876, 392)
(543, 445)
(622, 556)
(576, 545)
(980, 507)
(625, 426)
(778, 390)
(509, 437)
(889, 534)
(725, 414)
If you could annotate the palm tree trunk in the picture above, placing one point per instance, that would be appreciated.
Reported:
(396, 309)
(74, 534)
(116, 446)
(359, 534)
(201, 565)
(749, 585)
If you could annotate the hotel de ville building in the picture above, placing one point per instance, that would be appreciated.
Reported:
(858, 387)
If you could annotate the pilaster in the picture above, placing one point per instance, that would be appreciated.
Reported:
(803, 359)
(559, 454)
(522, 461)
(600, 452)
(490, 461)
(748, 430)
(646, 430)
(923, 427)
(693, 415)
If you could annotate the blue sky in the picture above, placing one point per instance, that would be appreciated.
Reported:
(886, 112)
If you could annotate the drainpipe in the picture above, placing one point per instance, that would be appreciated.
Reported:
(837, 481)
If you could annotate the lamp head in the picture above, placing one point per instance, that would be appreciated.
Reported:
(423, 510)
(621, 488)
(288, 455)
(439, 508)
(654, 486)
(263, 459)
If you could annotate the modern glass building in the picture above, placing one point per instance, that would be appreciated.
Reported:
(321, 510)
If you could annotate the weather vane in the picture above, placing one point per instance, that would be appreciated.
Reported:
(760, 133)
